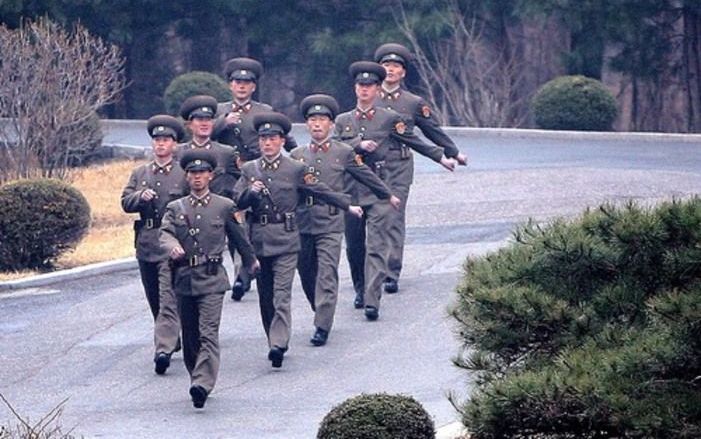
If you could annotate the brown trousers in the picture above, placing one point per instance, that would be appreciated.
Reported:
(155, 276)
(376, 247)
(200, 317)
(318, 270)
(275, 294)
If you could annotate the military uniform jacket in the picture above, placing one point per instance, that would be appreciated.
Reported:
(226, 172)
(202, 227)
(331, 164)
(393, 137)
(416, 112)
(273, 220)
(243, 135)
(169, 183)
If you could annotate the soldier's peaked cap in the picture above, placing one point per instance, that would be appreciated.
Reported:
(243, 69)
(393, 52)
(367, 72)
(165, 125)
(319, 104)
(270, 122)
(198, 106)
(198, 159)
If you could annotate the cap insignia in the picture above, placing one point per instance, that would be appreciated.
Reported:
(366, 75)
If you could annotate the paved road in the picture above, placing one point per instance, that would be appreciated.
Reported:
(88, 340)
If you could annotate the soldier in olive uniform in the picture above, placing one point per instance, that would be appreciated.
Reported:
(416, 112)
(198, 113)
(194, 233)
(151, 186)
(321, 224)
(234, 126)
(381, 137)
(272, 186)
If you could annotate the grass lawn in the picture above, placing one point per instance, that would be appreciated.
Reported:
(111, 235)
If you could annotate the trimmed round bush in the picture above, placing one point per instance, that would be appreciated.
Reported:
(574, 103)
(191, 84)
(377, 416)
(39, 220)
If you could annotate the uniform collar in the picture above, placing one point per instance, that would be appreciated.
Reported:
(202, 201)
(241, 108)
(270, 165)
(165, 169)
(206, 145)
(323, 146)
(390, 94)
(365, 114)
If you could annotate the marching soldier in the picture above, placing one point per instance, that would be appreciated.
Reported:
(272, 186)
(198, 113)
(151, 186)
(416, 112)
(381, 137)
(321, 224)
(194, 233)
(234, 126)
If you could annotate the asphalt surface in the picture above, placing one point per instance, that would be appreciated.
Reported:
(89, 339)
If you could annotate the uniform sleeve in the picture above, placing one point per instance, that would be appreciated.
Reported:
(244, 197)
(166, 236)
(402, 133)
(364, 175)
(427, 123)
(131, 197)
(237, 239)
(290, 143)
(310, 185)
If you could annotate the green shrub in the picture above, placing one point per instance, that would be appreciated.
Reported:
(377, 416)
(191, 84)
(574, 103)
(587, 328)
(39, 220)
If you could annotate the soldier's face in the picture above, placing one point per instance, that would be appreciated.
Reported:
(366, 92)
(201, 126)
(395, 72)
(319, 126)
(270, 145)
(198, 180)
(242, 90)
(163, 146)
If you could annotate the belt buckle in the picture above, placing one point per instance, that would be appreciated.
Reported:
(194, 260)
(310, 200)
(149, 223)
(263, 219)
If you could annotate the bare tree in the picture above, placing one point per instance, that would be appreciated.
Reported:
(470, 81)
(52, 82)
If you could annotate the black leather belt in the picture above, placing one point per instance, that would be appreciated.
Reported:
(196, 260)
(272, 218)
(147, 223)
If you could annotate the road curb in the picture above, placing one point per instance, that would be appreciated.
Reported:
(46, 279)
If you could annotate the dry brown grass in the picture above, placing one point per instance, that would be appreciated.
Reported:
(111, 235)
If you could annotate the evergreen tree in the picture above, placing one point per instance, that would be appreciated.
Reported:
(588, 328)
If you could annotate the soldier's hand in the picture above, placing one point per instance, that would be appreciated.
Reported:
(255, 267)
(232, 118)
(395, 202)
(461, 159)
(356, 210)
(176, 252)
(448, 164)
(257, 186)
(368, 145)
(148, 194)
